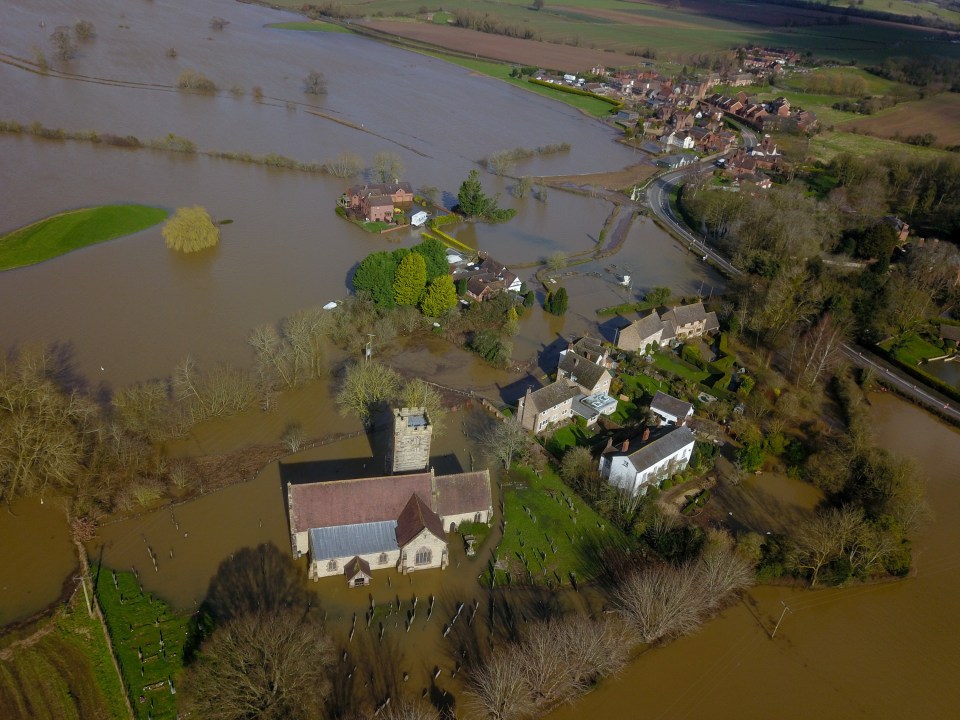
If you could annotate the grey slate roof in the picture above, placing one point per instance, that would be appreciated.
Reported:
(638, 331)
(551, 396)
(580, 370)
(359, 539)
(663, 447)
(670, 405)
(686, 314)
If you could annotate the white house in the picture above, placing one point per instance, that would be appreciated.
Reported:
(351, 527)
(655, 460)
(419, 218)
(670, 409)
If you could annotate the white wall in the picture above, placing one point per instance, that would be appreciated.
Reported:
(319, 568)
(425, 538)
(620, 472)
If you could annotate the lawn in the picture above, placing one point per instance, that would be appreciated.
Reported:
(827, 145)
(311, 26)
(912, 349)
(66, 672)
(148, 638)
(670, 363)
(68, 231)
(638, 385)
(548, 531)
(567, 437)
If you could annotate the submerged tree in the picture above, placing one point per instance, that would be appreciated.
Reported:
(190, 229)
(366, 385)
(474, 203)
(315, 83)
(388, 166)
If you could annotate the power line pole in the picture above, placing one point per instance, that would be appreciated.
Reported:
(85, 596)
(784, 612)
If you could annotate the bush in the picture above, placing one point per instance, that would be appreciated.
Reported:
(193, 80)
(190, 229)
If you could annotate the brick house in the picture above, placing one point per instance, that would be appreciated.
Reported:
(377, 201)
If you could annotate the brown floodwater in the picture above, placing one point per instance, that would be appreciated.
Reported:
(877, 651)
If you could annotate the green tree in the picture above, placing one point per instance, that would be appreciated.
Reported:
(375, 275)
(474, 203)
(556, 302)
(365, 386)
(190, 229)
(388, 166)
(439, 297)
(411, 279)
(658, 296)
(435, 255)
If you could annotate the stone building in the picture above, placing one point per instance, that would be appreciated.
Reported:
(410, 442)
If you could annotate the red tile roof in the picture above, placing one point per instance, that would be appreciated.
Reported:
(415, 517)
(463, 493)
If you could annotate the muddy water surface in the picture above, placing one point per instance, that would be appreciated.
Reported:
(879, 651)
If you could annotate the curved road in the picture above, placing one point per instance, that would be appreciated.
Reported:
(658, 199)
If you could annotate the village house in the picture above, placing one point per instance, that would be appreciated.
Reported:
(539, 409)
(399, 521)
(486, 278)
(671, 410)
(679, 323)
(635, 466)
(376, 202)
(588, 376)
(591, 349)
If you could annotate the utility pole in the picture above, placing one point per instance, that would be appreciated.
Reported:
(368, 350)
(784, 612)
(85, 596)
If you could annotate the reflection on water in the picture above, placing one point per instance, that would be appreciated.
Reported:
(949, 372)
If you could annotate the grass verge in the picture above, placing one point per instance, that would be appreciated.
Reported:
(72, 230)
(148, 638)
(311, 26)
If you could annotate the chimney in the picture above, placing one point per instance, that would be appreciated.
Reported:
(626, 445)
(646, 434)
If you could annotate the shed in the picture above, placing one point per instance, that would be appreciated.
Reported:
(357, 572)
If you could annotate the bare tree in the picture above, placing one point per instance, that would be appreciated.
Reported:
(821, 351)
(63, 43)
(218, 23)
(147, 409)
(815, 543)
(315, 83)
(294, 438)
(268, 665)
(388, 166)
(506, 441)
(522, 188)
(661, 603)
(365, 386)
(723, 571)
(344, 165)
(407, 710)
(500, 163)
(417, 393)
(499, 689)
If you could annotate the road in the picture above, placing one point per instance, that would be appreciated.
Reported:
(658, 198)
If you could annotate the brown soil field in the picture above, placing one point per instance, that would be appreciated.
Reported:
(499, 47)
(624, 18)
(937, 115)
(614, 180)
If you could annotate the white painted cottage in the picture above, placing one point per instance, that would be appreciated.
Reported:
(653, 460)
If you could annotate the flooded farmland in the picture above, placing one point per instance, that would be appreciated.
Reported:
(130, 310)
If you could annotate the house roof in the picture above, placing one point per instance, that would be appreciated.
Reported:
(663, 447)
(580, 370)
(463, 493)
(338, 541)
(686, 314)
(590, 348)
(670, 405)
(550, 396)
(641, 329)
(357, 566)
(379, 201)
(347, 502)
(415, 518)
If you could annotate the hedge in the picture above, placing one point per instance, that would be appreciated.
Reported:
(577, 91)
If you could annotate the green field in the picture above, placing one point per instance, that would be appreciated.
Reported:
(64, 672)
(548, 528)
(683, 32)
(827, 145)
(148, 638)
(72, 230)
(912, 349)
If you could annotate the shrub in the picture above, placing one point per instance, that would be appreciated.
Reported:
(190, 229)
(193, 80)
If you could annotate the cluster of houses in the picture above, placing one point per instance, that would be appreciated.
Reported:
(776, 114)
(750, 165)
(484, 276)
(676, 325)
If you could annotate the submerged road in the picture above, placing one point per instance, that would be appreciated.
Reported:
(659, 192)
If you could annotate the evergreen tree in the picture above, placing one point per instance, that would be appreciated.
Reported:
(556, 302)
(410, 280)
(473, 201)
(375, 275)
(439, 297)
(435, 255)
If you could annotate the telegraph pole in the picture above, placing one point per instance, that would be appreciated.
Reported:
(85, 596)
(368, 350)
(784, 612)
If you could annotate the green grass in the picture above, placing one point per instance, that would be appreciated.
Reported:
(828, 145)
(670, 363)
(311, 26)
(137, 624)
(547, 530)
(68, 231)
(638, 385)
(567, 437)
(912, 349)
(625, 410)
(67, 673)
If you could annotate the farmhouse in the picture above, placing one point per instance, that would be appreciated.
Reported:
(376, 202)
(353, 526)
(654, 460)
(679, 323)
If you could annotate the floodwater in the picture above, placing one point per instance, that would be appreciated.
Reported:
(949, 372)
(877, 651)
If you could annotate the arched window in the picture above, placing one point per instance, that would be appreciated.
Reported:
(331, 565)
(424, 556)
(383, 558)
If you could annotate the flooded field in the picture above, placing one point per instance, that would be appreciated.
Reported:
(880, 651)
